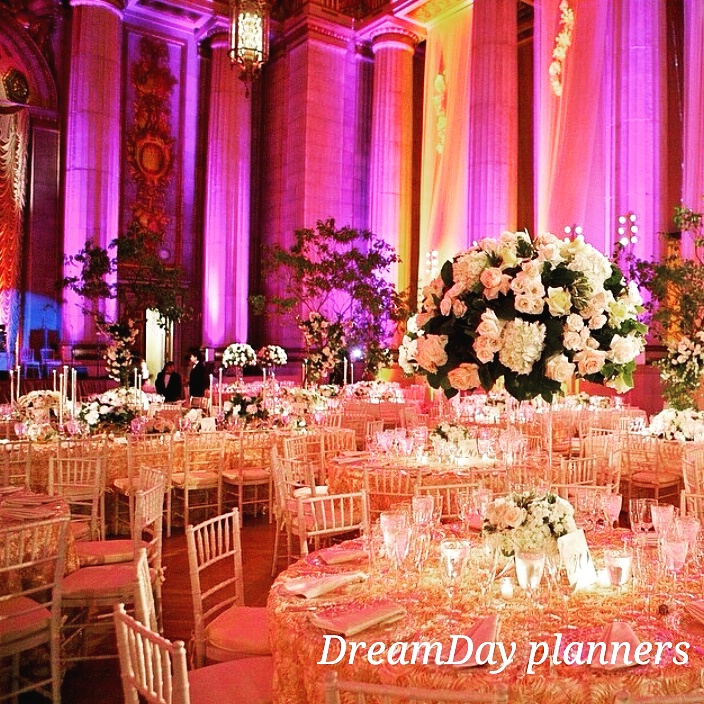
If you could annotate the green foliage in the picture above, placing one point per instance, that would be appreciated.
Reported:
(341, 273)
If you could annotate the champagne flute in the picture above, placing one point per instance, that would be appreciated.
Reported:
(453, 560)
(485, 560)
(529, 571)
(611, 506)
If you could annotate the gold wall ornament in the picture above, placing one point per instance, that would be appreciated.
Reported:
(16, 86)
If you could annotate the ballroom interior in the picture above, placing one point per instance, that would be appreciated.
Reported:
(432, 124)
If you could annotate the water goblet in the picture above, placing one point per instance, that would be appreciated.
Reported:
(640, 514)
(529, 571)
(611, 506)
(454, 553)
(423, 509)
(485, 561)
(663, 515)
(690, 527)
(619, 563)
(674, 553)
(395, 529)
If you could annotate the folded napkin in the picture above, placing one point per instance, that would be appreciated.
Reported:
(352, 619)
(618, 632)
(695, 609)
(485, 630)
(339, 555)
(310, 587)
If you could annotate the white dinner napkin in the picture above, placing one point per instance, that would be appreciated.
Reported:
(310, 587)
(696, 610)
(485, 630)
(618, 632)
(352, 619)
(337, 555)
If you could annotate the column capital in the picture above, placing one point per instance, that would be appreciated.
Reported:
(116, 6)
(390, 30)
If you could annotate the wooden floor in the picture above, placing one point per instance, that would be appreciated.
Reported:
(99, 683)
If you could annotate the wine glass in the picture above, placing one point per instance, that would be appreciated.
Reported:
(454, 553)
(663, 515)
(674, 553)
(485, 560)
(611, 506)
(641, 517)
(423, 509)
(529, 570)
(395, 529)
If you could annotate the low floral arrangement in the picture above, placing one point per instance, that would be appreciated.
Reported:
(295, 400)
(375, 390)
(452, 439)
(155, 425)
(239, 354)
(113, 410)
(246, 407)
(527, 521)
(534, 312)
(673, 424)
(271, 356)
(681, 370)
(39, 404)
(119, 361)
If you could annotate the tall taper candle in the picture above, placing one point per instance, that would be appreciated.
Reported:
(344, 372)
(54, 373)
(19, 376)
(73, 392)
(210, 400)
(12, 386)
(135, 379)
(220, 390)
(61, 399)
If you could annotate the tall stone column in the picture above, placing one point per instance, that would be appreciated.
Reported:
(390, 183)
(227, 204)
(493, 120)
(93, 137)
(639, 120)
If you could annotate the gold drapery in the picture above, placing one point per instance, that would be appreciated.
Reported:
(14, 136)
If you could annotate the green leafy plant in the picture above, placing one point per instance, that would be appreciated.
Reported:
(340, 274)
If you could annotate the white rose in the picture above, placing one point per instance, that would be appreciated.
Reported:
(559, 368)
(485, 348)
(559, 301)
(530, 305)
(590, 361)
(490, 325)
(624, 349)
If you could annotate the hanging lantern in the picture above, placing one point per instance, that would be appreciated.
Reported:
(249, 37)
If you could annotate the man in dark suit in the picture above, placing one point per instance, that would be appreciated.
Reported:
(198, 379)
(168, 383)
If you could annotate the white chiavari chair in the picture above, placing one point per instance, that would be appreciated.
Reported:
(154, 670)
(623, 697)
(16, 463)
(386, 486)
(225, 629)
(30, 612)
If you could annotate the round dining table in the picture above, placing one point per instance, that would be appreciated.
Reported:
(337, 608)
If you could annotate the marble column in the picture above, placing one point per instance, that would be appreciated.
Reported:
(227, 204)
(93, 130)
(390, 183)
(493, 120)
(639, 119)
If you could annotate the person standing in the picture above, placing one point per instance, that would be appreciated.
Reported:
(168, 383)
(198, 380)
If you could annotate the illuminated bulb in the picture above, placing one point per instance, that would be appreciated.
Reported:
(633, 217)
(634, 239)
(568, 229)
(578, 230)
(621, 230)
(623, 241)
(634, 229)
(622, 219)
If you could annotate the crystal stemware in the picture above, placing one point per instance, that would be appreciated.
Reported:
(395, 529)
(674, 553)
(453, 561)
(641, 517)
(618, 562)
(529, 571)
(611, 506)
(663, 515)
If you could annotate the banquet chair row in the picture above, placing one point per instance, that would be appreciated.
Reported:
(395, 694)
(154, 670)
(623, 697)
(30, 610)
(386, 486)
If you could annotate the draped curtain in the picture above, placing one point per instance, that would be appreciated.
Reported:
(693, 177)
(571, 130)
(444, 170)
(14, 135)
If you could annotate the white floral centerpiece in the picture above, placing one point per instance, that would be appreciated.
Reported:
(239, 354)
(271, 356)
(681, 370)
(453, 440)
(245, 407)
(375, 390)
(528, 521)
(113, 410)
(673, 424)
(39, 405)
(534, 312)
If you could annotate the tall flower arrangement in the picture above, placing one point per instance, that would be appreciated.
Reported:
(681, 370)
(271, 356)
(239, 354)
(119, 360)
(533, 311)
(325, 343)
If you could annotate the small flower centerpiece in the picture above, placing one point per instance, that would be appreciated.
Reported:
(452, 440)
(681, 370)
(528, 521)
(244, 408)
(271, 356)
(673, 424)
(533, 311)
(113, 410)
(39, 405)
(239, 354)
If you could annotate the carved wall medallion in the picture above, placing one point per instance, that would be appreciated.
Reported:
(16, 86)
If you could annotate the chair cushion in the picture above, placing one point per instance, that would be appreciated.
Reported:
(125, 485)
(654, 478)
(104, 583)
(241, 630)
(105, 552)
(21, 617)
(248, 474)
(247, 680)
(196, 480)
